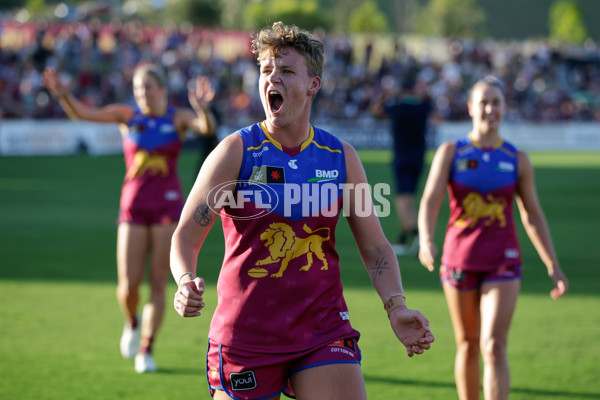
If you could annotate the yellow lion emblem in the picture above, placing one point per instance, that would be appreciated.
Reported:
(284, 246)
(475, 208)
(144, 161)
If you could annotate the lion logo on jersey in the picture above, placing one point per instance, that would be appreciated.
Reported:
(144, 161)
(284, 246)
(476, 208)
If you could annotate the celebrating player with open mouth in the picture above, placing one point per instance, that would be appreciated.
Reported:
(281, 323)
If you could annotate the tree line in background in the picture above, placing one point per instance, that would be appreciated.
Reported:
(564, 20)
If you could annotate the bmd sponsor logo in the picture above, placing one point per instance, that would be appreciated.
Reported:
(505, 166)
(324, 175)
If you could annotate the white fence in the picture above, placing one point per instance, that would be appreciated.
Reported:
(60, 137)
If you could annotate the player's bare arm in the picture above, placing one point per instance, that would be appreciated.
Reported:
(410, 326)
(431, 201)
(113, 113)
(203, 215)
(536, 225)
(221, 169)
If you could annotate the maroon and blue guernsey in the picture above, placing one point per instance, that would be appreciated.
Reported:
(151, 149)
(481, 233)
(279, 287)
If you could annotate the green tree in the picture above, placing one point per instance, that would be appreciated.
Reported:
(402, 14)
(462, 18)
(198, 12)
(304, 14)
(368, 19)
(234, 16)
(255, 16)
(35, 6)
(565, 22)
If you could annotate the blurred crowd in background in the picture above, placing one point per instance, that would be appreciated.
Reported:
(543, 83)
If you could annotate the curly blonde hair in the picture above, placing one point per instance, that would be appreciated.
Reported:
(271, 41)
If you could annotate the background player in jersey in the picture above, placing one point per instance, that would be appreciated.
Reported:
(151, 197)
(481, 261)
(281, 323)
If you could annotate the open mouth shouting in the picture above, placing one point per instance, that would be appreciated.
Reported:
(275, 101)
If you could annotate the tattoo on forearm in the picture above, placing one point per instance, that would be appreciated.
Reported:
(202, 215)
(379, 268)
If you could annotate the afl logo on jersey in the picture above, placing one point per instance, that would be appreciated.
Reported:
(235, 194)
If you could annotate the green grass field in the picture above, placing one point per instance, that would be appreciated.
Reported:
(60, 323)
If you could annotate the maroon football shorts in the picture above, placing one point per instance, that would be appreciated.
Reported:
(469, 280)
(247, 375)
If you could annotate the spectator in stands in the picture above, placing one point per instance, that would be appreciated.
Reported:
(544, 84)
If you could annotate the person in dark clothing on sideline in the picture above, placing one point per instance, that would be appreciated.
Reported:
(409, 112)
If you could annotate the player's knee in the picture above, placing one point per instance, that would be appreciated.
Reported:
(469, 347)
(493, 350)
(126, 290)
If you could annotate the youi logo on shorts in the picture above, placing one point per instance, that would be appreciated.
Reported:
(242, 380)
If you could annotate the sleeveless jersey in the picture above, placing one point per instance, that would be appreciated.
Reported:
(151, 149)
(481, 233)
(279, 287)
